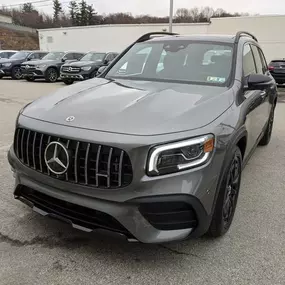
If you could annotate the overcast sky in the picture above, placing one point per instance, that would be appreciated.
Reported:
(161, 7)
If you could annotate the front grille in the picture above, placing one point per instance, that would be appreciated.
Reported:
(98, 166)
(70, 69)
(169, 216)
(79, 215)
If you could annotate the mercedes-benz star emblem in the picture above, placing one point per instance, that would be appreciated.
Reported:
(27, 66)
(70, 119)
(70, 68)
(56, 158)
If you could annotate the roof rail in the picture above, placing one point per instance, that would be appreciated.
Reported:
(148, 36)
(243, 33)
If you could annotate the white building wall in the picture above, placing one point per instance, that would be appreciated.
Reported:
(106, 37)
(268, 30)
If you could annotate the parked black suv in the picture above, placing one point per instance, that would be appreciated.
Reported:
(12, 66)
(49, 67)
(86, 68)
(277, 70)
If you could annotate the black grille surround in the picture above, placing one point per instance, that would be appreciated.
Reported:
(78, 215)
(92, 165)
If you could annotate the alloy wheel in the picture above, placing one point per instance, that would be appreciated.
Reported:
(232, 189)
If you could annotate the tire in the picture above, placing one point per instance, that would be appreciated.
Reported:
(227, 196)
(16, 73)
(68, 81)
(51, 75)
(1, 76)
(267, 135)
(30, 78)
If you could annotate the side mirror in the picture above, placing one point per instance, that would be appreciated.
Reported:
(63, 59)
(28, 59)
(101, 70)
(258, 81)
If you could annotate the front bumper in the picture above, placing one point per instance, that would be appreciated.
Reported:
(82, 75)
(35, 73)
(144, 210)
(5, 71)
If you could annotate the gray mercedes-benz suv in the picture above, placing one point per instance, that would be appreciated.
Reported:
(155, 147)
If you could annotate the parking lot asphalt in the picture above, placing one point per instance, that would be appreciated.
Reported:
(37, 250)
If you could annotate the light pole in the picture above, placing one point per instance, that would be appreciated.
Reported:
(170, 16)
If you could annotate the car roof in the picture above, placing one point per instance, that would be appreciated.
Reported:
(8, 50)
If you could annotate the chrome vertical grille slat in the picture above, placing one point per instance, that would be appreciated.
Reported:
(67, 146)
(120, 168)
(22, 145)
(34, 150)
(27, 148)
(90, 164)
(17, 141)
(97, 165)
(86, 164)
(109, 167)
(40, 153)
(49, 138)
(75, 162)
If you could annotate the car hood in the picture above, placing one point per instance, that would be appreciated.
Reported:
(39, 61)
(83, 63)
(132, 107)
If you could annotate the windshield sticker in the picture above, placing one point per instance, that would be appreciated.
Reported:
(216, 79)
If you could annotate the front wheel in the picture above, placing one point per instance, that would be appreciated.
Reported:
(267, 135)
(228, 195)
(68, 81)
(16, 73)
(51, 75)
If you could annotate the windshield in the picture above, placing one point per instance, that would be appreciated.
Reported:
(54, 56)
(20, 55)
(91, 56)
(176, 61)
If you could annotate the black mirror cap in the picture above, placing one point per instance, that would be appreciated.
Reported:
(259, 81)
(63, 59)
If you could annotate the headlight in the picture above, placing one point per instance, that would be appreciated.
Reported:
(86, 68)
(179, 156)
(6, 64)
(41, 66)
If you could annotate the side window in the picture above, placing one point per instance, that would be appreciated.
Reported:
(69, 56)
(264, 63)
(32, 56)
(78, 56)
(248, 61)
(258, 62)
(3, 55)
(41, 55)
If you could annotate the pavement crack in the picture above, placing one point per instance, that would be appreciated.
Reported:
(48, 242)
(177, 252)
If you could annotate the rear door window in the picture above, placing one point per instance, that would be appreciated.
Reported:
(248, 61)
(258, 61)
